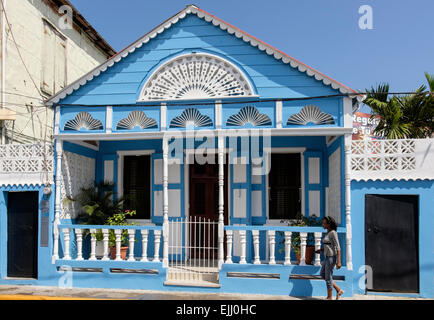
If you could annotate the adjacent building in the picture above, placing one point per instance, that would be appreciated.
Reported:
(45, 45)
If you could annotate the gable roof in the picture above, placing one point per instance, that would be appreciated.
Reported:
(192, 9)
(85, 26)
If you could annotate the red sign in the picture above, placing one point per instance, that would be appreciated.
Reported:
(364, 126)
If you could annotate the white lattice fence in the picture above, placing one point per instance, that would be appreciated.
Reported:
(26, 163)
(392, 159)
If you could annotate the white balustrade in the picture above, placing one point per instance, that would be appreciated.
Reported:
(118, 239)
(229, 237)
(80, 231)
(66, 239)
(144, 234)
(242, 234)
(317, 236)
(105, 235)
(272, 244)
(131, 234)
(303, 238)
(255, 235)
(92, 244)
(288, 235)
(157, 236)
(79, 239)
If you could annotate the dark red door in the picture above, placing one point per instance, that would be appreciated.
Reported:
(203, 201)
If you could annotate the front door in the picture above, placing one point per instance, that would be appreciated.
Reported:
(203, 202)
(22, 234)
(391, 242)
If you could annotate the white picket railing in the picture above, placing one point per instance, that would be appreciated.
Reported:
(79, 231)
(287, 233)
(193, 249)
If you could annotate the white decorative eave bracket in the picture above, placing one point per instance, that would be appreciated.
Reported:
(392, 160)
(192, 9)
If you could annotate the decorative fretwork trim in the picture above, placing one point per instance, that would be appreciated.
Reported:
(248, 115)
(191, 116)
(83, 120)
(196, 76)
(134, 119)
(310, 114)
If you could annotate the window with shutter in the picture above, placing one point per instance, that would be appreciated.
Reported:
(137, 185)
(284, 186)
(53, 60)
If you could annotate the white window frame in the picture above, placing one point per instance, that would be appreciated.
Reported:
(279, 222)
(120, 180)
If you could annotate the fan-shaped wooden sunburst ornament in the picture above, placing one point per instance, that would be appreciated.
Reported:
(83, 120)
(196, 76)
(191, 116)
(310, 114)
(248, 115)
(134, 119)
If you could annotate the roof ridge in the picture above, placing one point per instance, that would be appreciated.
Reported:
(202, 14)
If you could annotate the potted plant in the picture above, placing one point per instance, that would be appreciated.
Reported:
(302, 221)
(119, 219)
(97, 205)
(312, 221)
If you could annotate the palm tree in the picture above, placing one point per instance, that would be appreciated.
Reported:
(409, 116)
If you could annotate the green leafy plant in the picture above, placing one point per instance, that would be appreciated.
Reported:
(406, 116)
(302, 221)
(97, 205)
(120, 219)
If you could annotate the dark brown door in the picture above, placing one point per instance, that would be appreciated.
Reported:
(22, 234)
(391, 242)
(203, 201)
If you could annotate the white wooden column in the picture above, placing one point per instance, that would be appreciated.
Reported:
(92, 244)
(57, 205)
(165, 205)
(348, 201)
(221, 146)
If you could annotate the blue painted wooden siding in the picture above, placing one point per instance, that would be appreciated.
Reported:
(122, 82)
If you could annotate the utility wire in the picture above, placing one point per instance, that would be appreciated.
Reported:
(179, 103)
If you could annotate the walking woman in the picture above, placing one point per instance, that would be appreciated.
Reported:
(332, 257)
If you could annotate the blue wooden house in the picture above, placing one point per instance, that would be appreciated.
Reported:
(219, 142)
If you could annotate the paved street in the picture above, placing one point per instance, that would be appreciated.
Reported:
(54, 293)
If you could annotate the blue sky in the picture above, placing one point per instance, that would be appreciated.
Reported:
(324, 34)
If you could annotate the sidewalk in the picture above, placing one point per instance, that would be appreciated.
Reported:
(8, 292)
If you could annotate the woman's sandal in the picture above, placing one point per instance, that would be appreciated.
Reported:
(338, 295)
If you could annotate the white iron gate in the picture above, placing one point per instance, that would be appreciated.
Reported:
(193, 250)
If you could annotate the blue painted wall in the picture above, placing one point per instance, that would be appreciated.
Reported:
(425, 190)
(122, 82)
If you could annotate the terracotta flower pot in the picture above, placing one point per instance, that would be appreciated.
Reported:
(310, 252)
(123, 252)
